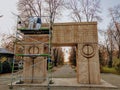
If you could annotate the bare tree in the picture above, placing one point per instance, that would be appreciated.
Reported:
(103, 56)
(29, 8)
(103, 53)
(84, 10)
(54, 8)
(109, 45)
(7, 42)
(115, 16)
(76, 11)
(41, 8)
(58, 56)
(72, 57)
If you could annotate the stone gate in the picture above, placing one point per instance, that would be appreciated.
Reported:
(83, 35)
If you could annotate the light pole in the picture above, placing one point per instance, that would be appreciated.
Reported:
(1, 16)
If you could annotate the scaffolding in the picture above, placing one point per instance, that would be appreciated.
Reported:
(20, 34)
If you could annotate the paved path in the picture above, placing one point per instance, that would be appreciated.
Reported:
(63, 72)
(112, 79)
(67, 72)
(4, 81)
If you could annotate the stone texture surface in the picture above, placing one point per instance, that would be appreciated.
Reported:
(65, 84)
(111, 78)
(74, 33)
(83, 36)
(34, 68)
(88, 68)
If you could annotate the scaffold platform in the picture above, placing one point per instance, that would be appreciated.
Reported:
(33, 55)
(42, 30)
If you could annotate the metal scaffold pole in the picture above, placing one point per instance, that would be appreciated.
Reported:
(13, 62)
(50, 81)
(49, 45)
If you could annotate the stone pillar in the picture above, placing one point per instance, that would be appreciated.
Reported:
(88, 71)
(35, 69)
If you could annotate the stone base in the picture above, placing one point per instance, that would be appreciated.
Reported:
(64, 84)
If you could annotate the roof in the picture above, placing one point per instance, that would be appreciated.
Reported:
(5, 51)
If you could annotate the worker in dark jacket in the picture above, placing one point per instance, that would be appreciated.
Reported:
(38, 23)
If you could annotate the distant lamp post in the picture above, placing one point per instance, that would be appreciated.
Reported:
(1, 16)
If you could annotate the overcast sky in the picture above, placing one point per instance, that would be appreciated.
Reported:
(8, 21)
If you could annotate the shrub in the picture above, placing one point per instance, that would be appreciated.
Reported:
(117, 67)
(109, 70)
(0, 67)
(6, 68)
(116, 61)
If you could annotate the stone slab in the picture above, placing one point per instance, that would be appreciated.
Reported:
(65, 84)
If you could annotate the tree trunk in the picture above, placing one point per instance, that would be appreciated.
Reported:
(110, 61)
(119, 52)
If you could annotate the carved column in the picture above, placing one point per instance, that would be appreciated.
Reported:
(35, 68)
(88, 64)
(88, 71)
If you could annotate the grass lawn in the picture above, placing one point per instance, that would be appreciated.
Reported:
(110, 70)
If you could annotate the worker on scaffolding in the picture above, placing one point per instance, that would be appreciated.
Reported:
(31, 22)
(38, 23)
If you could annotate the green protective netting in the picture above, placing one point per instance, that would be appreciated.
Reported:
(42, 28)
